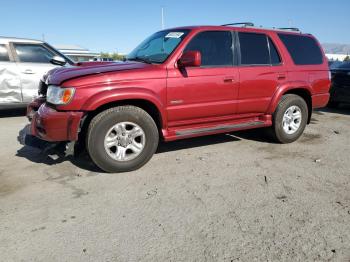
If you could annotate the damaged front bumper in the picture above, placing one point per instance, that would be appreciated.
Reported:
(51, 125)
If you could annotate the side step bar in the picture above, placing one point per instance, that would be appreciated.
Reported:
(218, 128)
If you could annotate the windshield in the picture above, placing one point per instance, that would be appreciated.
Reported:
(158, 47)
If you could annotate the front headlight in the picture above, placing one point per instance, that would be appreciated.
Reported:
(59, 95)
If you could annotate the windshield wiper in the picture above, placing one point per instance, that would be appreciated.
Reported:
(140, 59)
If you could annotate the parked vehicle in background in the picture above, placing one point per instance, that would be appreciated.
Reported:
(102, 59)
(334, 64)
(340, 88)
(22, 63)
(181, 83)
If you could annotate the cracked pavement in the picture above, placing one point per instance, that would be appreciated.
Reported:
(228, 197)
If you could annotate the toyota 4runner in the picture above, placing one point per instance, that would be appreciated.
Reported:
(181, 83)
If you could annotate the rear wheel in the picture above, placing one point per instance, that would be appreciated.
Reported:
(290, 118)
(122, 139)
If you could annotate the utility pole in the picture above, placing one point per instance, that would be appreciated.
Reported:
(162, 16)
(43, 37)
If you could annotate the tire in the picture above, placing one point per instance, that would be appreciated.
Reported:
(281, 130)
(106, 129)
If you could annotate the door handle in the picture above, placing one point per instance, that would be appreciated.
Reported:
(281, 77)
(28, 71)
(229, 80)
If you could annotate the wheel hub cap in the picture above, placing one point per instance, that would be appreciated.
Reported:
(292, 120)
(124, 141)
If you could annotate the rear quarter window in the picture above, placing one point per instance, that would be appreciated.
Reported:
(304, 50)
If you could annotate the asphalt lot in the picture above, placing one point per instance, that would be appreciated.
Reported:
(230, 197)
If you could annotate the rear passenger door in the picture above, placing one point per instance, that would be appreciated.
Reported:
(260, 70)
(33, 61)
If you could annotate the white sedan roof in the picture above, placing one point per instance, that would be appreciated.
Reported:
(6, 40)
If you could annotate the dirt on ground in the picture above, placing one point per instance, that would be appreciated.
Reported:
(227, 197)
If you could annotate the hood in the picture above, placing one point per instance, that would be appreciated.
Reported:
(58, 75)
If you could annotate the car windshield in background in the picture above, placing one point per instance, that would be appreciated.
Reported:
(158, 47)
(344, 65)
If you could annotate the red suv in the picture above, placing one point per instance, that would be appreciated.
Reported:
(180, 83)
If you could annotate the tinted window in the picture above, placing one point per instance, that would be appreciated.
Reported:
(214, 46)
(254, 49)
(33, 53)
(303, 49)
(4, 56)
(275, 57)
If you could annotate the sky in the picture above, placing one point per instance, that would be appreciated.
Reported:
(118, 26)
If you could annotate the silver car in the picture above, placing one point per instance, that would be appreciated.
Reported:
(22, 64)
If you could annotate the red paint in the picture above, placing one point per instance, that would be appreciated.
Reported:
(51, 125)
(190, 58)
(189, 98)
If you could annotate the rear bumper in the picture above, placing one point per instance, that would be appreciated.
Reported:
(320, 100)
(51, 125)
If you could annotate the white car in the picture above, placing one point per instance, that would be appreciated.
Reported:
(22, 64)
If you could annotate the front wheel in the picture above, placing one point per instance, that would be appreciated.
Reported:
(290, 118)
(122, 139)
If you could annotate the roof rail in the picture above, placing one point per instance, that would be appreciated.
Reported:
(242, 23)
(290, 29)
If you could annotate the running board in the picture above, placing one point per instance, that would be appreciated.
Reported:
(219, 128)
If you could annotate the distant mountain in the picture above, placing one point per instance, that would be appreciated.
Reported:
(333, 48)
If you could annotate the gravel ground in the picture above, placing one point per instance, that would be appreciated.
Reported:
(230, 197)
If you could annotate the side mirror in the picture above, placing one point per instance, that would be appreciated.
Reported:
(58, 60)
(190, 58)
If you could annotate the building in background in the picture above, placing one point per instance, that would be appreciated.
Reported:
(336, 51)
(77, 53)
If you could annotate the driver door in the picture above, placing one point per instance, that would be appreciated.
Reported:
(207, 93)
(33, 61)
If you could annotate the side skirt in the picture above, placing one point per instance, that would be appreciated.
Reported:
(187, 132)
(218, 128)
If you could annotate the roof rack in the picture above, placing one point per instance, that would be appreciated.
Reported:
(290, 29)
(242, 23)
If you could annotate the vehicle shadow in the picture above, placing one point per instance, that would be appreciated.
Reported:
(258, 135)
(12, 112)
(55, 155)
(343, 109)
(164, 147)
(38, 151)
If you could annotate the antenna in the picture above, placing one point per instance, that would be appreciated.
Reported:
(162, 16)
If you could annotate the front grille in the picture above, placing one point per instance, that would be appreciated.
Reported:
(42, 88)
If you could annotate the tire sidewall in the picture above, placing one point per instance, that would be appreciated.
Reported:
(288, 101)
(98, 132)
